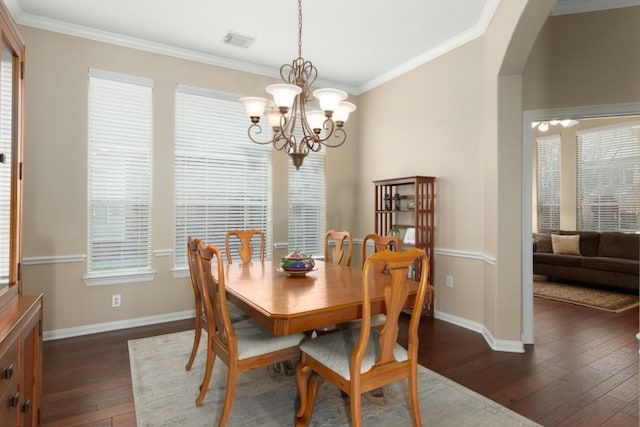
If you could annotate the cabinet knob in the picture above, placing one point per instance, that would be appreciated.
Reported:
(8, 373)
(26, 406)
(15, 399)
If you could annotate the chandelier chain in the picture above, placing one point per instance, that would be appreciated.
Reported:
(299, 28)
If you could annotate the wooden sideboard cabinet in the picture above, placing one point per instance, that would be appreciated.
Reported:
(407, 206)
(21, 361)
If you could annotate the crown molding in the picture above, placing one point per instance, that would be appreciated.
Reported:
(568, 7)
(81, 31)
(453, 43)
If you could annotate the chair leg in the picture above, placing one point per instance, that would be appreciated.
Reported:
(228, 398)
(308, 384)
(211, 358)
(413, 397)
(356, 409)
(196, 341)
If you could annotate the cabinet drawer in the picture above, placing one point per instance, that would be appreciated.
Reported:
(8, 367)
(9, 406)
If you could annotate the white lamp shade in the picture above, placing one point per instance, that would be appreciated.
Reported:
(274, 118)
(283, 94)
(341, 114)
(329, 98)
(254, 105)
(315, 119)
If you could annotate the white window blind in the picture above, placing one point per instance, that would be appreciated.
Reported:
(120, 138)
(307, 225)
(222, 179)
(6, 119)
(548, 182)
(608, 169)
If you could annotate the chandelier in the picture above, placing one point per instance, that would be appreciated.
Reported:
(291, 109)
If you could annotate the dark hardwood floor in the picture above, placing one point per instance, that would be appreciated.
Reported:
(583, 370)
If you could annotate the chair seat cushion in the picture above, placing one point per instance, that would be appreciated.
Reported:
(254, 340)
(235, 313)
(334, 350)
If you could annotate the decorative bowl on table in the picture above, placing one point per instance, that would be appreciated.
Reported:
(297, 264)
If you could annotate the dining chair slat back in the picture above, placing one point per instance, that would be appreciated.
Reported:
(380, 243)
(245, 250)
(337, 254)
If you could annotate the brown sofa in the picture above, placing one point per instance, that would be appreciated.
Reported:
(606, 259)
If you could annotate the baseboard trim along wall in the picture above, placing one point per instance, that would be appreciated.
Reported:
(497, 345)
(117, 325)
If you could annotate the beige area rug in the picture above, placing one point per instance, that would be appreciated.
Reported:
(595, 298)
(164, 395)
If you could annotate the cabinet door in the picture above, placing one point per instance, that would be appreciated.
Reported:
(27, 414)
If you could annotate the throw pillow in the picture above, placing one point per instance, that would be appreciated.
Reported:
(542, 242)
(567, 245)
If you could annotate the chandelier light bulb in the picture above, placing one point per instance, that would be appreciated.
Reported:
(254, 107)
(329, 99)
(273, 116)
(316, 120)
(283, 95)
(544, 126)
(341, 114)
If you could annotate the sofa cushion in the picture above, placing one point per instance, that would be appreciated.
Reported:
(619, 245)
(567, 245)
(612, 264)
(557, 259)
(589, 241)
(542, 242)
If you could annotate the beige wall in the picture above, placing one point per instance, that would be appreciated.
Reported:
(417, 125)
(585, 59)
(55, 206)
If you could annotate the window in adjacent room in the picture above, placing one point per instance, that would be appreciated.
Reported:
(548, 182)
(307, 224)
(608, 168)
(222, 180)
(119, 181)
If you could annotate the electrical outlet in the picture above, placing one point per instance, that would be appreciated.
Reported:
(115, 300)
(449, 281)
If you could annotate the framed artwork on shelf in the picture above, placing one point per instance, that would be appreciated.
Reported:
(410, 236)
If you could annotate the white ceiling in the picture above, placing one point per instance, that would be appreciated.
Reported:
(355, 44)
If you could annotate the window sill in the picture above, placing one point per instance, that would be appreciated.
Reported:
(178, 273)
(117, 279)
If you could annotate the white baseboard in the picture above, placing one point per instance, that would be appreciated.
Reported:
(495, 344)
(116, 325)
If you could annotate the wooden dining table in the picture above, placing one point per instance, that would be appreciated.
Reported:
(285, 304)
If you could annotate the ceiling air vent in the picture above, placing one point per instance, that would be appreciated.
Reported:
(239, 40)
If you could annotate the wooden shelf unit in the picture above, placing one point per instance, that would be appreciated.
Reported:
(421, 191)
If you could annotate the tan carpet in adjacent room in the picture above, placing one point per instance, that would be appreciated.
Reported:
(596, 298)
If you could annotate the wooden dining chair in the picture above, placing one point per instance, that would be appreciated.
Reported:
(242, 345)
(245, 250)
(201, 317)
(380, 243)
(360, 360)
(337, 255)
